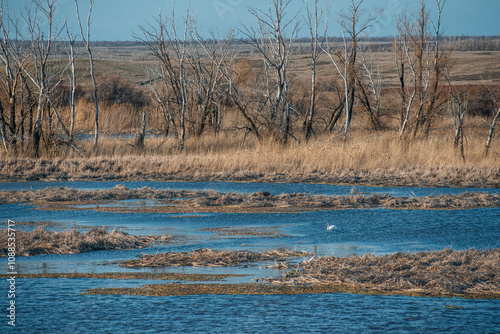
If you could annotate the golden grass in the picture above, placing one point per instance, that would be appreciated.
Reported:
(41, 241)
(366, 158)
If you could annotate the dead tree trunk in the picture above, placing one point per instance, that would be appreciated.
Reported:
(314, 19)
(490, 133)
(140, 138)
(86, 41)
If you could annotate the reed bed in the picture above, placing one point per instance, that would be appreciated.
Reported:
(469, 273)
(200, 201)
(446, 273)
(368, 158)
(440, 273)
(209, 258)
(41, 241)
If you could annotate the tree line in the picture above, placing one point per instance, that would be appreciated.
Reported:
(196, 81)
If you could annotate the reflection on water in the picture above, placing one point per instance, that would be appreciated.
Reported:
(49, 305)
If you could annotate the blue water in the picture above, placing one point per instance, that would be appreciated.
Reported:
(56, 306)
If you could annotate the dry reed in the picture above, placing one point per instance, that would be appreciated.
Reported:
(441, 273)
(41, 241)
(380, 158)
(468, 274)
(199, 201)
(209, 258)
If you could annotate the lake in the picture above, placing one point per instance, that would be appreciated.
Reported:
(56, 305)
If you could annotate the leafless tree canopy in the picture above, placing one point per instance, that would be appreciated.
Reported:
(199, 84)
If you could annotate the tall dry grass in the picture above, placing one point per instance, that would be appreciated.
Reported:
(367, 157)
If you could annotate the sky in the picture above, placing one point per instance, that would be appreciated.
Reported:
(119, 20)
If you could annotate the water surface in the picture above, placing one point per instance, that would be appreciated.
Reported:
(56, 305)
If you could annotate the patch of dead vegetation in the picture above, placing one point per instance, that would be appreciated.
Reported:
(209, 258)
(446, 273)
(265, 232)
(160, 290)
(41, 241)
(212, 201)
(440, 273)
(133, 276)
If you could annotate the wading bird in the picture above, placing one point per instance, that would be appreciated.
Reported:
(330, 227)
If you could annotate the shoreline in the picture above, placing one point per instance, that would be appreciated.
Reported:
(156, 169)
(190, 201)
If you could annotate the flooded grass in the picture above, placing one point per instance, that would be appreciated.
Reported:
(209, 258)
(42, 241)
(439, 273)
(185, 201)
(467, 274)
(134, 276)
(218, 289)
(160, 290)
(265, 232)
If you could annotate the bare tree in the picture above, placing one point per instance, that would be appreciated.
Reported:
(370, 85)
(492, 126)
(421, 95)
(72, 80)
(439, 66)
(86, 41)
(354, 28)
(315, 17)
(43, 74)
(170, 51)
(273, 38)
(9, 79)
(225, 61)
(210, 88)
(490, 133)
(458, 110)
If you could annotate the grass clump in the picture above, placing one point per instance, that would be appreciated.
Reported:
(41, 241)
(472, 272)
(209, 258)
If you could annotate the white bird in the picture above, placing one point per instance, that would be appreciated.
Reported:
(330, 227)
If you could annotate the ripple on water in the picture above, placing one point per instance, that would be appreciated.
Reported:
(49, 305)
